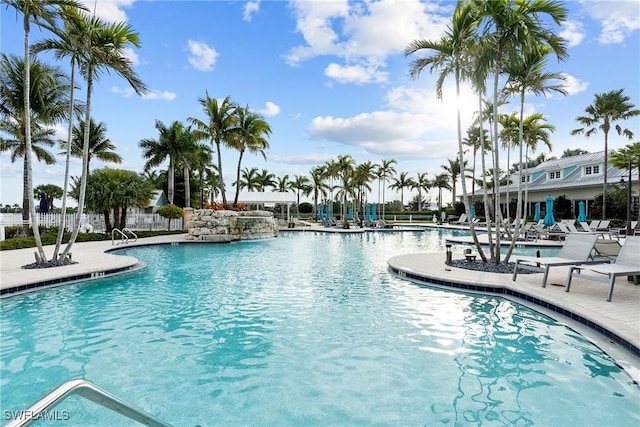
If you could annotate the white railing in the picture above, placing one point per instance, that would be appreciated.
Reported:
(95, 222)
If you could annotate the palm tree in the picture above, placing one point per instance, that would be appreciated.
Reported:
(66, 44)
(403, 181)
(173, 145)
(441, 182)
(250, 180)
(48, 100)
(218, 128)
(43, 13)
(346, 170)
(475, 141)
(454, 171)
(527, 75)
(509, 28)
(267, 179)
(105, 47)
(301, 184)
(364, 174)
(627, 157)
(100, 146)
(283, 184)
(421, 183)
(200, 160)
(385, 171)
(319, 186)
(607, 109)
(249, 135)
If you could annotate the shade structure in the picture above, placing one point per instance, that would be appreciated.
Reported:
(374, 213)
(582, 215)
(549, 220)
(349, 212)
(536, 215)
(472, 212)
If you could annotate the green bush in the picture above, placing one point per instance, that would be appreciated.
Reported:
(305, 208)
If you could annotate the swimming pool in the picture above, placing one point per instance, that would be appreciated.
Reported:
(306, 329)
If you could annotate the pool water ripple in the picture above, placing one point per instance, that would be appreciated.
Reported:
(304, 330)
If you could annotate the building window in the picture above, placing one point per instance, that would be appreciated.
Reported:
(554, 175)
(592, 170)
(525, 178)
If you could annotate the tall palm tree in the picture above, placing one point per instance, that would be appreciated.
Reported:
(66, 44)
(421, 183)
(173, 145)
(441, 182)
(200, 160)
(249, 135)
(527, 75)
(607, 108)
(217, 128)
(400, 183)
(105, 45)
(384, 171)
(43, 13)
(319, 186)
(49, 91)
(283, 184)
(508, 28)
(453, 53)
(100, 146)
(475, 141)
(454, 171)
(364, 174)
(345, 186)
(301, 184)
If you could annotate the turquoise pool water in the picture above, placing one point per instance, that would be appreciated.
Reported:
(303, 330)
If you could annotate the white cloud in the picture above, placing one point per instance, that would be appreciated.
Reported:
(303, 159)
(363, 34)
(132, 56)
(202, 57)
(573, 33)
(270, 109)
(618, 19)
(128, 92)
(161, 95)
(249, 9)
(355, 74)
(572, 85)
(110, 11)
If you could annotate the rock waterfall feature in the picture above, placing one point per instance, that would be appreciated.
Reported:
(230, 226)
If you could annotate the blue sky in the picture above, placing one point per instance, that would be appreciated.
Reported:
(330, 77)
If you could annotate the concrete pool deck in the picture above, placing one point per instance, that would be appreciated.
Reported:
(618, 321)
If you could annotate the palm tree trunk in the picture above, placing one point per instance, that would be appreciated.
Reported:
(39, 255)
(187, 187)
(63, 208)
(235, 200)
(222, 191)
(85, 161)
(171, 182)
(606, 166)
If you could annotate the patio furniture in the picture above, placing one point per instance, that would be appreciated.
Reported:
(577, 249)
(627, 264)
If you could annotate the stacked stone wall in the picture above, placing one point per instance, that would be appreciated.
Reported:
(229, 226)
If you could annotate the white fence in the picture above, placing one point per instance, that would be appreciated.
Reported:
(136, 222)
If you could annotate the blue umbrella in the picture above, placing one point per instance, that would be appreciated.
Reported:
(549, 220)
(582, 216)
(374, 213)
(44, 206)
(536, 215)
(367, 212)
(328, 212)
(349, 212)
(472, 212)
(320, 211)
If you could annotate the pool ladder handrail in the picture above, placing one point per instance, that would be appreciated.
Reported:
(124, 238)
(89, 391)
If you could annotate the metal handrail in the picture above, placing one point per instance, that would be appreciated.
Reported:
(128, 230)
(123, 239)
(89, 391)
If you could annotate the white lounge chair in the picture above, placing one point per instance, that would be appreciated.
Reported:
(462, 220)
(577, 249)
(627, 264)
